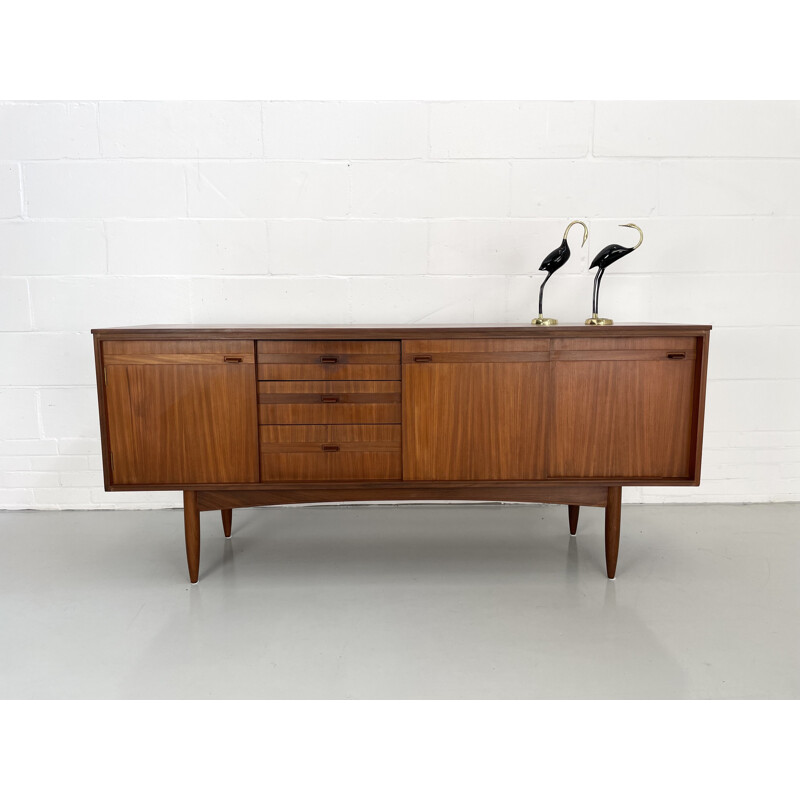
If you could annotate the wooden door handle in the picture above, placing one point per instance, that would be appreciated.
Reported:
(329, 359)
(330, 399)
(422, 359)
(233, 360)
(676, 356)
(330, 448)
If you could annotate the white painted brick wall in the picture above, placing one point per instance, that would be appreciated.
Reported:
(118, 213)
(10, 191)
(187, 247)
(180, 130)
(104, 189)
(262, 189)
(696, 129)
(510, 130)
(53, 247)
(345, 131)
(19, 415)
(545, 188)
(347, 247)
(429, 189)
(48, 130)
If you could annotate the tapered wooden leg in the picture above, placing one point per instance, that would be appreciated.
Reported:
(573, 519)
(191, 525)
(613, 508)
(227, 519)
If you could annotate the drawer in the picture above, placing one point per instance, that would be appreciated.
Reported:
(328, 360)
(330, 452)
(475, 351)
(640, 348)
(214, 351)
(306, 402)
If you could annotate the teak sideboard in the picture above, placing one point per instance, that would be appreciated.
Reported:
(252, 416)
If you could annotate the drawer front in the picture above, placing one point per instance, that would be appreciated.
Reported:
(330, 452)
(640, 348)
(308, 402)
(226, 351)
(475, 351)
(328, 360)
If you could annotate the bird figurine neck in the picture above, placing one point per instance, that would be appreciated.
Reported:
(607, 256)
(553, 262)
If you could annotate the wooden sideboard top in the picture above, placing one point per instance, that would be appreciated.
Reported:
(467, 331)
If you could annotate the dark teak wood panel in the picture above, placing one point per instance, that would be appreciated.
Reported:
(386, 332)
(479, 420)
(313, 402)
(181, 424)
(565, 414)
(329, 360)
(160, 346)
(621, 419)
(625, 343)
(330, 452)
(214, 499)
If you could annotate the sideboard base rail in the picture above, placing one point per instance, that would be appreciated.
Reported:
(608, 497)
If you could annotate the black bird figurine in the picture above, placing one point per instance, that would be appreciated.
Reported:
(607, 256)
(553, 262)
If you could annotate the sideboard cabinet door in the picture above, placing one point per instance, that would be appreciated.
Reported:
(623, 408)
(181, 412)
(474, 409)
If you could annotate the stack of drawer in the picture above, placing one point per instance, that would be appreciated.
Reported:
(329, 410)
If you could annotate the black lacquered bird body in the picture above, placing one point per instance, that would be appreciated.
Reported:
(557, 258)
(609, 254)
(552, 263)
(605, 258)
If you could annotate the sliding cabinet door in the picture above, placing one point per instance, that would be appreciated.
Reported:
(181, 412)
(623, 408)
(474, 409)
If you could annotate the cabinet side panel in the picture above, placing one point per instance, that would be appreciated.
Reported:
(701, 375)
(102, 408)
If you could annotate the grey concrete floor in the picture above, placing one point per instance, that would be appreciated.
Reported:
(414, 601)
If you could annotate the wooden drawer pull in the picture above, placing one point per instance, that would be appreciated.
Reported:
(330, 448)
(330, 399)
(422, 359)
(232, 359)
(328, 359)
(676, 356)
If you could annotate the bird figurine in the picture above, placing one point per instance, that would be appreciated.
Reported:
(607, 256)
(553, 262)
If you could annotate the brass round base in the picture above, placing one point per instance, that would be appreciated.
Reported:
(540, 320)
(595, 320)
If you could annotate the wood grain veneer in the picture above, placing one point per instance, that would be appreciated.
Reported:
(304, 402)
(621, 418)
(212, 500)
(181, 424)
(330, 452)
(481, 420)
(114, 347)
(329, 360)
(398, 332)
(648, 342)
(565, 414)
